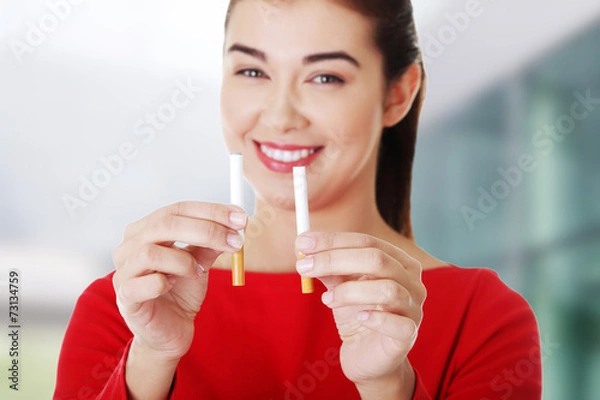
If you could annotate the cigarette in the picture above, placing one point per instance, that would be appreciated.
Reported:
(236, 191)
(302, 220)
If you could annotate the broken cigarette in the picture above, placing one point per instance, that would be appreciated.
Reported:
(236, 190)
(302, 220)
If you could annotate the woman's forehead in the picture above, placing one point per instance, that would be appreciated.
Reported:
(309, 25)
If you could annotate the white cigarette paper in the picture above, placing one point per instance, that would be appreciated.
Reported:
(302, 220)
(236, 188)
(301, 199)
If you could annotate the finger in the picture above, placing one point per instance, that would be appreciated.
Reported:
(332, 281)
(382, 295)
(315, 242)
(352, 262)
(195, 232)
(152, 257)
(205, 258)
(225, 214)
(133, 292)
(397, 327)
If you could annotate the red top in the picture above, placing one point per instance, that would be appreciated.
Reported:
(478, 340)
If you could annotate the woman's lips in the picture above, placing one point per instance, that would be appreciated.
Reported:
(285, 146)
(283, 166)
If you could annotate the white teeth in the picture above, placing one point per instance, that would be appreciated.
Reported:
(285, 155)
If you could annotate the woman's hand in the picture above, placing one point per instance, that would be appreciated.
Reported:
(376, 294)
(160, 287)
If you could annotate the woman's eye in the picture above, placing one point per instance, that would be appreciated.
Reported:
(250, 73)
(321, 79)
(328, 79)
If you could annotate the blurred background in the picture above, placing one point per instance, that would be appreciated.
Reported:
(507, 174)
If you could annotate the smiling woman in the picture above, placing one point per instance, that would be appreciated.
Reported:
(336, 87)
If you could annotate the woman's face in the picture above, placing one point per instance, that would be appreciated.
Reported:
(302, 77)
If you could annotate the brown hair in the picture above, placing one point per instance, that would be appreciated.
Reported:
(396, 38)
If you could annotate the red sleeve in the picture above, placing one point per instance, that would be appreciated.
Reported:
(484, 344)
(94, 351)
(500, 354)
(499, 346)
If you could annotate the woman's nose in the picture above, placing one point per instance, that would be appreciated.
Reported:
(281, 113)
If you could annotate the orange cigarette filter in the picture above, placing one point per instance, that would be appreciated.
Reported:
(237, 268)
(306, 283)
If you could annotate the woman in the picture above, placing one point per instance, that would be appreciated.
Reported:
(339, 84)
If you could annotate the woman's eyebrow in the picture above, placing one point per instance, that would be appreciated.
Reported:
(312, 58)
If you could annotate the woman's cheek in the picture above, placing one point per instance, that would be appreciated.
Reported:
(235, 119)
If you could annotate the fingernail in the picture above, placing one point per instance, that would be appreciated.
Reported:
(238, 218)
(171, 279)
(235, 240)
(304, 264)
(327, 297)
(305, 243)
(363, 315)
(200, 269)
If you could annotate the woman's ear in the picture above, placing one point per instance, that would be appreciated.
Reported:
(401, 95)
